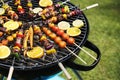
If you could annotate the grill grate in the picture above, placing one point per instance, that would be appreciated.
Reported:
(62, 54)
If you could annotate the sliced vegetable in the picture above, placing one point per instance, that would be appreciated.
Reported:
(43, 38)
(49, 46)
(4, 52)
(16, 55)
(63, 25)
(51, 51)
(36, 52)
(2, 11)
(26, 35)
(45, 3)
(37, 10)
(14, 35)
(11, 25)
(10, 38)
(31, 36)
(73, 31)
(78, 23)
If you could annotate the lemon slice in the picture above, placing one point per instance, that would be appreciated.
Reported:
(73, 31)
(37, 10)
(2, 11)
(45, 3)
(4, 52)
(36, 52)
(11, 25)
(63, 25)
(78, 23)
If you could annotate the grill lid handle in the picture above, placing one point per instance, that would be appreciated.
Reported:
(76, 66)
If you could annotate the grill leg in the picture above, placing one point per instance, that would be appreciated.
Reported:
(77, 74)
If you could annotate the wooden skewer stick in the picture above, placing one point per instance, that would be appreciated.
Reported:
(2, 2)
(85, 51)
(63, 68)
(76, 55)
(11, 70)
(89, 7)
(65, 1)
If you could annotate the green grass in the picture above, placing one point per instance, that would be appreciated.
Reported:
(104, 33)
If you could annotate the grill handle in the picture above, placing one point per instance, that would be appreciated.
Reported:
(76, 66)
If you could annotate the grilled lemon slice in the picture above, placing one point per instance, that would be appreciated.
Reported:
(36, 52)
(11, 25)
(2, 11)
(73, 31)
(78, 23)
(45, 3)
(4, 52)
(37, 10)
(63, 25)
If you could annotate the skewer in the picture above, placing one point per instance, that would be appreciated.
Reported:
(89, 7)
(62, 68)
(63, 46)
(11, 69)
(73, 42)
(2, 2)
(74, 12)
(85, 51)
(65, 1)
(76, 55)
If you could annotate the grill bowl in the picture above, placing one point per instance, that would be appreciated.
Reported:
(46, 66)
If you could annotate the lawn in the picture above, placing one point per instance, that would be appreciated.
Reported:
(105, 33)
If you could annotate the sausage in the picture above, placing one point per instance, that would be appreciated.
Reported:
(62, 44)
(64, 36)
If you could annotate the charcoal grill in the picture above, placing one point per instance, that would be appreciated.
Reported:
(25, 67)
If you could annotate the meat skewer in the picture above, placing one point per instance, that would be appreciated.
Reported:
(16, 49)
(19, 7)
(52, 8)
(60, 17)
(63, 10)
(9, 11)
(51, 50)
(19, 38)
(62, 44)
(31, 13)
(42, 38)
(68, 39)
(29, 4)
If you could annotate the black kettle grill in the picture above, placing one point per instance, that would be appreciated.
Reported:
(27, 68)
